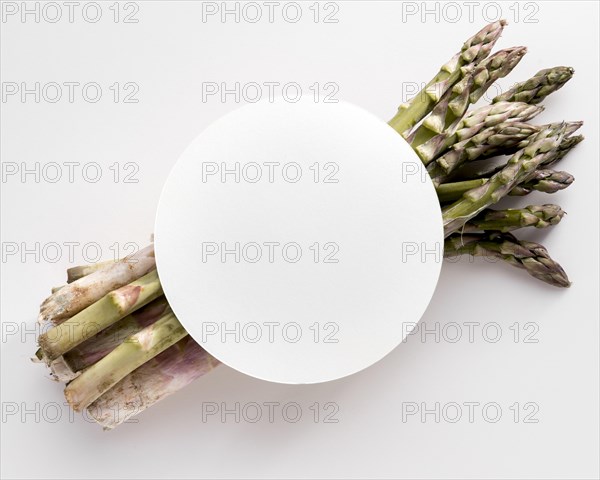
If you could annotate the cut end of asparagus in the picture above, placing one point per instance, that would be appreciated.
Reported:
(109, 309)
(38, 357)
(165, 374)
(62, 371)
(125, 358)
(76, 296)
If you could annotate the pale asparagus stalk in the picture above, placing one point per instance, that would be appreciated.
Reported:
(163, 375)
(82, 293)
(75, 273)
(124, 359)
(100, 315)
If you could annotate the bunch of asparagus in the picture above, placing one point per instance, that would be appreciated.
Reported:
(114, 340)
(476, 158)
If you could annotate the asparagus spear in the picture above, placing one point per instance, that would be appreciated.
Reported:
(124, 359)
(538, 87)
(492, 139)
(565, 147)
(156, 379)
(450, 192)
(455, 102)
(475, 122)
(538, 216)
(544, 180)
(475, 49)
(530, 256)
(100, 315)
(82, 293)
(70, 365)
(554, 184)
(75, 273)
(470, 172)
(516, 170)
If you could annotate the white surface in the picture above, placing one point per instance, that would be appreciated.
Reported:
(369, 53)
(295, 240)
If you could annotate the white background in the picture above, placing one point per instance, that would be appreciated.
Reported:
(373, 54)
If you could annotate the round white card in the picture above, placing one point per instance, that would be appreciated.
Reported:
(299, 243)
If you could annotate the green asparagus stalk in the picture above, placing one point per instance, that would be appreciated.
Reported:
(554, 184)
(475, 122)
(474, 50)
(470, 172)
(538, 216)
(484, 170)
(532, 257)
(76, 296)
(450, 192)
(521, 164)
(544, 180)
(495, 138)
(563, 149)
(566, 145)
(455, 102)
(100, 315)
(537, 87)
(73, 362)
(163, 375)
(124, 359)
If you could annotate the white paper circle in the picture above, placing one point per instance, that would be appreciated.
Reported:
(299, 243)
